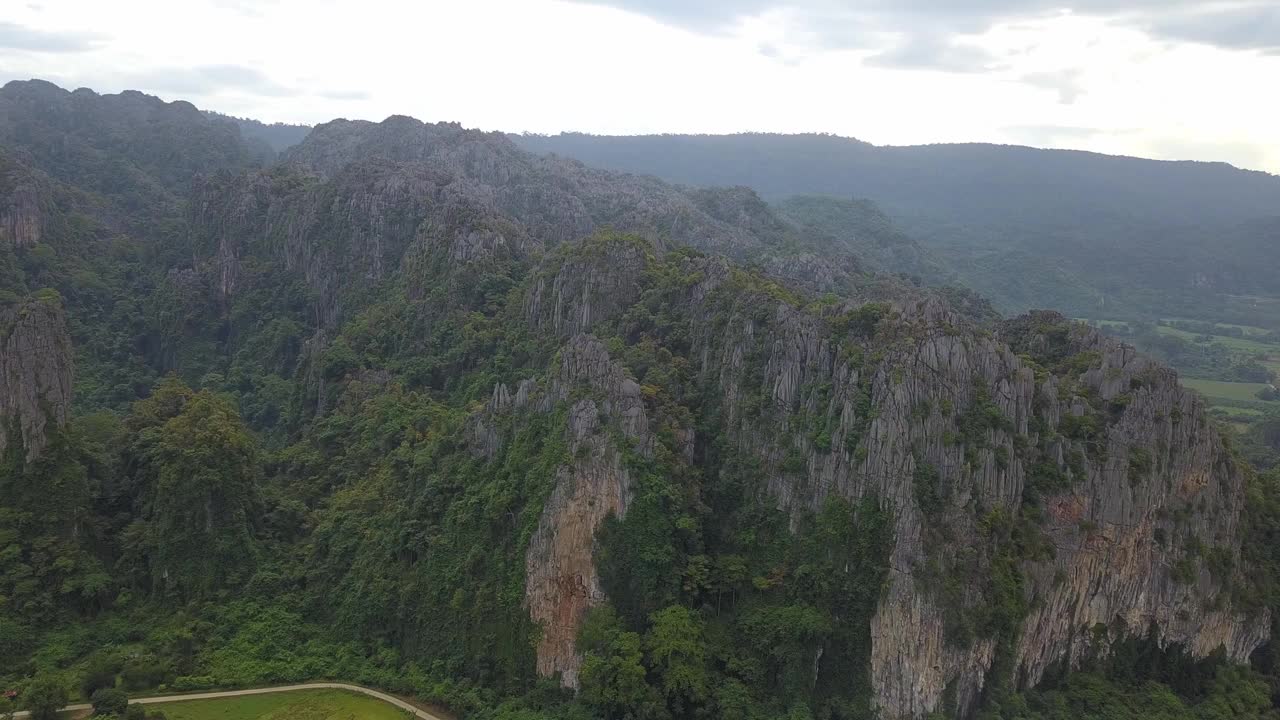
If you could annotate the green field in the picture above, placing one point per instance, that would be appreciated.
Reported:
(1240, 344)
(1233, 412)
(1102, 323)
(1247, 329)
(1226, 390)
(296, 705)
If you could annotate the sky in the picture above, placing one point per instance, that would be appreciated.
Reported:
(1169, 79)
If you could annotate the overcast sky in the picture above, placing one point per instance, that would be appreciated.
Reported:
(1177, 79)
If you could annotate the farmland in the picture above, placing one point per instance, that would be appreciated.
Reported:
(299, 705)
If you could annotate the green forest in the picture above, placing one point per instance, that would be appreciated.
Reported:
(273, 418)
(1090, 235)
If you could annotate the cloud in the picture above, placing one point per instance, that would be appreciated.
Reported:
(1230, 24)
(928, 52)
(344, 94)
(1240, 153)
(250, 8)
(700, 15)
(208, 80)
(1050, 135)
(1249, 27)
(1067, 83)
(19, 37)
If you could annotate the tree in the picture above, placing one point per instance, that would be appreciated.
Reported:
(198, 466)
(613, 674)
(109, 701)
(44, 697)
(101, 673)
(678, 653)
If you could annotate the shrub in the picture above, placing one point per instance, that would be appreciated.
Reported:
(109, 701)
(101, 673)
(184, 683)
(44, 697)
(141, 674)
(926, 484)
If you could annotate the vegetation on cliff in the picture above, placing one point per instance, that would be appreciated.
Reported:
(332, 417)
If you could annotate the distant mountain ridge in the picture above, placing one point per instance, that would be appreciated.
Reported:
(781, 165)
(1085, 233)
(277, 135)
(410, 405)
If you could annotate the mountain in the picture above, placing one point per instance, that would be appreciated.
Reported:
(1098, 235)
(862, 228)
(412, 407)
(278, 136)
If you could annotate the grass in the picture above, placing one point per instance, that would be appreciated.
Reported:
(1234, 343)
(1227, 390)
(1101, 323)
(1247, 329)
(1239, 419)
(1230, 412)
(296, 705)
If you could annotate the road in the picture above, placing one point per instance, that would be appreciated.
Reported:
(416, 711)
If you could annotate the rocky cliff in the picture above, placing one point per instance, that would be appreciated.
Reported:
(1077, 483)
(35, 372)
(23, 204)
(514, 389)
(1051, 491)
(355, 200)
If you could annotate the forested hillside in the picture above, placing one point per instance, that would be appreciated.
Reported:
(278, 136)
(412, 407)
(1092, 235)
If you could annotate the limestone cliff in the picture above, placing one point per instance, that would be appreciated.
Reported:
(1043, 454)
(1123, 486)
(23, 204)
(35, 372)
(1051, 491)
(562, 582)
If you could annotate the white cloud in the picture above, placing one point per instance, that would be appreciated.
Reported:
(546, 66)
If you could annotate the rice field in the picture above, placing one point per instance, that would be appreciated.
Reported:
(295, 705)
(1239, 344)
(1225, 390)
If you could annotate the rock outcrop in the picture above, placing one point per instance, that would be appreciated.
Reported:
(35, 373)
(23, 204)
(1043, 455)
(1073, 485)
(598, 400)
(596, 283)
(1111, 465)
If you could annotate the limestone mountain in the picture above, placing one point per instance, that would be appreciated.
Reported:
(1090, 234)
(412, 406)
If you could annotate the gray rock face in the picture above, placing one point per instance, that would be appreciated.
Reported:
(555, 199)
(571, 297)
(1126, 504)
(357, 202)
(1163, 487)
(561, 582)
(1143, 491)
(35, 373)
(23, 198)
(1143, 484)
